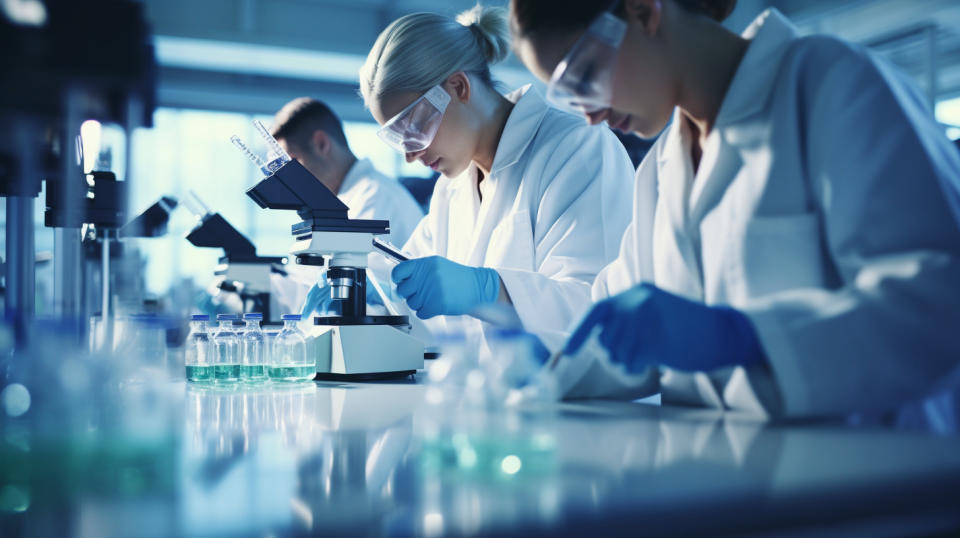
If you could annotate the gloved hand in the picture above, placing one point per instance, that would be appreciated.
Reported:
(647, 326)
(318, 300)
(436, 286)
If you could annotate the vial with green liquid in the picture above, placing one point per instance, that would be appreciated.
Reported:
(199, 360)
(290, 362)
(253, 369)
(226, 351)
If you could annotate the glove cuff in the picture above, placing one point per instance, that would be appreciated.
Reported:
(489, 284)
(748, 349)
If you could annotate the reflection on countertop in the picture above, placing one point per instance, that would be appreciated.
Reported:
(378, 459)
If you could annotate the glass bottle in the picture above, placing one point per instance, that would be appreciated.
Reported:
(198, 356)
(226, 345)
(290, 361)
(253, 368)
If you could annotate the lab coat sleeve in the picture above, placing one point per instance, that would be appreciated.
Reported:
(579, 221)
(885, 181)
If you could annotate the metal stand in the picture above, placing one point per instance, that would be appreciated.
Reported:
(21, 282)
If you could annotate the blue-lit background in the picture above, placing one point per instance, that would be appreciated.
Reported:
(223, 63)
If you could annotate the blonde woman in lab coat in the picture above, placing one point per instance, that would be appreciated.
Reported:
(532, 202)
(794, 247)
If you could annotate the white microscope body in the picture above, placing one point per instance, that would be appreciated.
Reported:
(354, 343)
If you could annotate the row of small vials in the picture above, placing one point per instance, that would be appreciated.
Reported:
(227, 354)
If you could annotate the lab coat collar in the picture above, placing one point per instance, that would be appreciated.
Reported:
(360, 169)
(522, 125)
(752, 85)
(770, 35)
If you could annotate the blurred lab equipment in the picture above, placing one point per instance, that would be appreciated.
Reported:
(240, 271)
(64, 78)
(114, 278)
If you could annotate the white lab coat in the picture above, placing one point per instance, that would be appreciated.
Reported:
(825, 208)
(552, 214)
(371, 195)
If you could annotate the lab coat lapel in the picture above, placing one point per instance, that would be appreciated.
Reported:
(718, 167)
(502, 188)
(752, 85)
(676, 263)
(487, 214)
(463, 216)
(528, 112)
(748, 95)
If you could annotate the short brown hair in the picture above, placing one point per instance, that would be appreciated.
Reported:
(298, 120)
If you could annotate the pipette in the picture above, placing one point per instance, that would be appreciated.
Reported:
(246, 151)
(272, 143)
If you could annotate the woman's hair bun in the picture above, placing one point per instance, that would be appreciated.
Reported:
(492, 29)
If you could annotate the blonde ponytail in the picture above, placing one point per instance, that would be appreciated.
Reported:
(420, 50)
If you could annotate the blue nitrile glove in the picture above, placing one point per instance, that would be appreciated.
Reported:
(646, 326)
(436, 286)
(373, 298)
(318, 300)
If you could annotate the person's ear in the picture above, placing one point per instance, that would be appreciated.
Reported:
(646, 12)
(321, 144)
(458, 86)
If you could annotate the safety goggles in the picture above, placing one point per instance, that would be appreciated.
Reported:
(413, 129)
(582, 82)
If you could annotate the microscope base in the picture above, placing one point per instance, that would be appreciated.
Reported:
(379, 376)
(363, 350)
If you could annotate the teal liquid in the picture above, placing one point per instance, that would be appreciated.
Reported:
(199, 373)
(292, 373)
(253, 373)
(226, 372)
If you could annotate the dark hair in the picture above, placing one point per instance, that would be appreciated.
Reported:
(534, 18)
(298, 119)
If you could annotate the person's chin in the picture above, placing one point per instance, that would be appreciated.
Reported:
(453, 170)
(644, 128)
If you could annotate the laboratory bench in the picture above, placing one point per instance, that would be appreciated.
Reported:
(385, 458)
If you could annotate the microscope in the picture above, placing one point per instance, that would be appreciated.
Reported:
(353, 345)
(61, 77)
(240, 270)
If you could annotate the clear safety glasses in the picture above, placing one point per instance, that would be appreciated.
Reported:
(582, 81)
(415, 126)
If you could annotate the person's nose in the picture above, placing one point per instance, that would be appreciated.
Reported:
(597, 116)
(413, 155)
